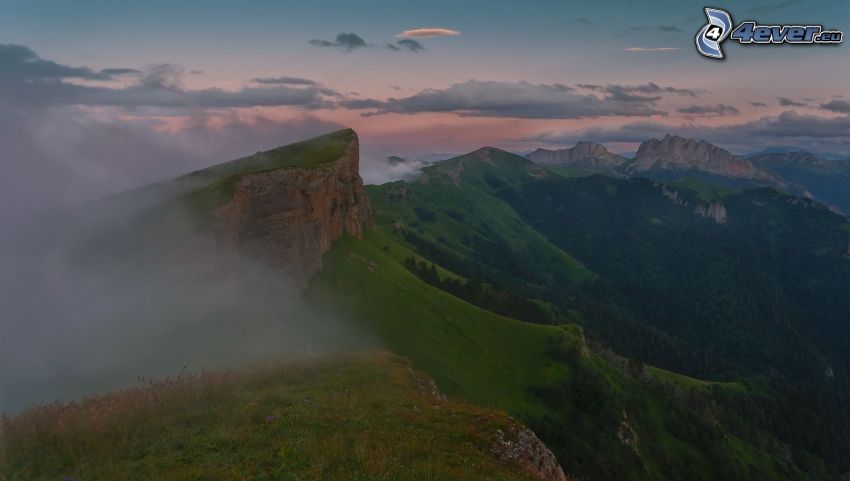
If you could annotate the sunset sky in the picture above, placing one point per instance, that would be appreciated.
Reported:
(121, 93)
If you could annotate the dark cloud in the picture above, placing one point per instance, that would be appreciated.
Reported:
(22, 63)
(786, 129)
(758, 104)
(27, 81)
(638, 91)
(348, 42)
(521, 100)
(786, 102)
(115, 72)
(719, 109)
(284, 81)
(840, 106)
(585, 21)
(406, 44)
(162, 76)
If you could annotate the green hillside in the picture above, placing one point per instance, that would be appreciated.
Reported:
(672, 345)
(354, 417)
(753, 299)
(458, 226)
(602, 423)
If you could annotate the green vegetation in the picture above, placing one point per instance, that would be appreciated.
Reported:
(754, 303)
(579, 404)
(356, 417)
(734, 334)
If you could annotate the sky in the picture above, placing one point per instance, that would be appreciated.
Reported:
(117, 94)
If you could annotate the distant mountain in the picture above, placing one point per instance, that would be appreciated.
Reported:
(826, 180)
(678, 154)
(585, 155)
(671, 158)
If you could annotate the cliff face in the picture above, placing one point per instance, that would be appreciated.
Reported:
(584, 154)
(283, 219)
(677, 153)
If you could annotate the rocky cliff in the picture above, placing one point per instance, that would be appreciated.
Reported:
(680, 154)
(271, 214)
(287, 216)
(584, 154)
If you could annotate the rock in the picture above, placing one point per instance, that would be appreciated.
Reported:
(627, 434)
(714, 211)
(583, 154)
(520, 446)
(288, 217)
(678, 153)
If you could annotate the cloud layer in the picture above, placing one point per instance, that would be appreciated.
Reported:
(476, 98)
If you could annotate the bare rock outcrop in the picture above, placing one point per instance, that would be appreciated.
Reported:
(677, 153)
(583, 154)
(520, 446)
(714, 211)
(285, 219)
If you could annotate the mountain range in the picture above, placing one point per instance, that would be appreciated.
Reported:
(681, 317)
(674, 158)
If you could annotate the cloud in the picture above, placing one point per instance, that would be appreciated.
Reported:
(27, 81)
(283, 81)
(22, 63)
(789, 128)
(429, 32)
(406, 44)
(650, 88)
(786, 102)
(758, 104)
(650, 49)
(840, 106)
(347, 42)
(719, 109)
(162, 76)
(116, 72)
(584, 21)
(70, 326)
(476, 98)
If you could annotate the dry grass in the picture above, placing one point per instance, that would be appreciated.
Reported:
(354, 417)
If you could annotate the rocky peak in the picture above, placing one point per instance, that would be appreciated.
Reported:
(287, 216)
(678, 153)
(583, 154)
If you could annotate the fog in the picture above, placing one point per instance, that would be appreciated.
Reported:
(85, 305)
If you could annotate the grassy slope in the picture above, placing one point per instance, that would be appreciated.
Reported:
(360, 417)
(491, 360)
(455, 218)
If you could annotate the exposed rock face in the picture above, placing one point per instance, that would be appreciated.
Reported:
(287, 218)
(584, 154)
(529, 453)
(714, 211)
(678, 153)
